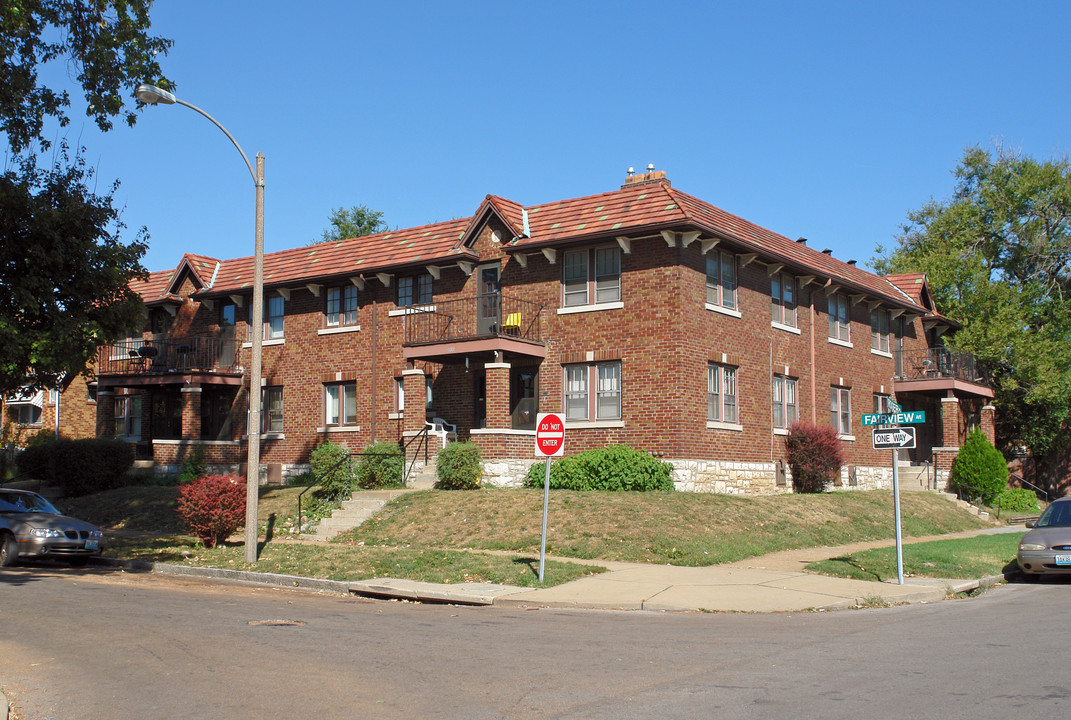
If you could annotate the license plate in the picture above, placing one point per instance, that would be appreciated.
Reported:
(1063, 559)
(95, 545)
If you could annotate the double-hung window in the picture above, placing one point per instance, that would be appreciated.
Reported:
(591, 276)
(342, 306)
(128, 416)
(721, 279)
(341, 403)
(272, 410)
(840, 409)
(879, 330)
(881, 403)
(783, 299)
(274, 312)
(721, 393)
(840, 321)
(785, 402)
(414, 290)
(602, 404)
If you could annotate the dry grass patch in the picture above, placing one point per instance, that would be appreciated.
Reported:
(677, 528)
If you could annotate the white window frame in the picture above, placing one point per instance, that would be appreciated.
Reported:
(723, 404)
(881, 403)
(591, 276)
(880, 329)
(271, 420)
(840, 417)
(839, 311)
(342, 306)
(721, 289)
(128, 416)
(784, 299)
(786, 401)
(340, 403)
(580, 379)
(275, 317)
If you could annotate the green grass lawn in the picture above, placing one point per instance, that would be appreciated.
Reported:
(445, 536)
(961, 558)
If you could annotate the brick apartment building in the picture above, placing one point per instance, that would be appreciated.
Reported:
(645, 315)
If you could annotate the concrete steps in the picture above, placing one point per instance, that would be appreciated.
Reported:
(965, 505)
(362, 505)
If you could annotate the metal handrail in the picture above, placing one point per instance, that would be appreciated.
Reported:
(1035, 488)
(422, 437)
(345, 458)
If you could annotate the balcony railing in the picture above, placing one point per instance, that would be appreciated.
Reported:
(938, 363)
(473, 318)
(200, 353)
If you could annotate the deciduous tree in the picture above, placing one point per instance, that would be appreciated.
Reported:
(998, 258)
(358, 221)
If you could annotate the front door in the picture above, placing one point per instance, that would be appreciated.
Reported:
(489, 304)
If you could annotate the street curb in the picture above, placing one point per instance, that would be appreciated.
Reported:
(237, 576)
(6, 708)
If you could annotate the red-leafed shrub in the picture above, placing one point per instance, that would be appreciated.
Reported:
(213, 507)
(815, 455)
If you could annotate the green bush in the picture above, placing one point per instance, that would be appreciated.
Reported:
(459, 467)
(1015, 500)
(78, 467)
(815, 454)
(980, 471)
(193, 466)
(614, 468)
(382, 467)
(333, 468)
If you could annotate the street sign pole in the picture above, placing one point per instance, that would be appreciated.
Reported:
(550, 442)
(896, 514)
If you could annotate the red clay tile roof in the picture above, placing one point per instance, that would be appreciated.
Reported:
(154, 288)
(381, 252)
(633, 210)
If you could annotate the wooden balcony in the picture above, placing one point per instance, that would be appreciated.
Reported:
(939, 370)
(175, 357)
(480, 326)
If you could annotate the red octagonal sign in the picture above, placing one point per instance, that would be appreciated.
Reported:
(550, 435)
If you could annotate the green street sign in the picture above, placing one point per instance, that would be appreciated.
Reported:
(912, 417)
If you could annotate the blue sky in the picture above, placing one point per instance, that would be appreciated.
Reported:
(824, 120)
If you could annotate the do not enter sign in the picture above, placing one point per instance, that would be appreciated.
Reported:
(550, 435)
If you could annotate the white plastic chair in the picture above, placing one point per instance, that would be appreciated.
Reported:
(438, 426)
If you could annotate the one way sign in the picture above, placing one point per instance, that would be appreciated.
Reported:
(898, 438)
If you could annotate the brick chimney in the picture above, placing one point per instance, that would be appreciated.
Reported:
(650, 177)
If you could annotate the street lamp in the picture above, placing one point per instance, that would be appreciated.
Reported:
(152, 95)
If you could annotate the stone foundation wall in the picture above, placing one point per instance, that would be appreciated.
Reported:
(507, 473)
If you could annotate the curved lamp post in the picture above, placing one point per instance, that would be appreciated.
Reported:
(152, 95)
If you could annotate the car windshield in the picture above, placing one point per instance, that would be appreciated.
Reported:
(25, 502)
(1056, 515)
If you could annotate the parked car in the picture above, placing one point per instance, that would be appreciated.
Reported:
(31, 527)
(1046, 549)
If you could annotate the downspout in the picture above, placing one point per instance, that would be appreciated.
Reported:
(375, 317)
(814, 389)
(57, 412)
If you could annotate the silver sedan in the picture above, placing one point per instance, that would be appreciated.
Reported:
(1046, 549)
(31, 527)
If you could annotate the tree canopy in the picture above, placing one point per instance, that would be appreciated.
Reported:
(63, 267)
(358, 221)
(998, 258)
(105, 42)
(64, 272)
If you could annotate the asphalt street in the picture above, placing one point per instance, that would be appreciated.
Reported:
(105, 644)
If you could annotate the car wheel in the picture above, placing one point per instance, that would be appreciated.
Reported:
(9, 550)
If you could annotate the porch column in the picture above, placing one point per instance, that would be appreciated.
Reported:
(105, 425)
(989, 418)
(498, 416)
(415, 402)
(946, 454)
(191, 412)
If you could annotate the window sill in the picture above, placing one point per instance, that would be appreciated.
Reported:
(723, 310)
(786, 328)
(340, 329)
(269, 436)
(593, 424)
(396, 416)
(162, 441)
(780, 431)
(842, 343)
(717, 425)
(590, 308)
(265, 343)
(501, 431)
(339, 429)
(847, 438)
(881, 353)
(416, 310)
